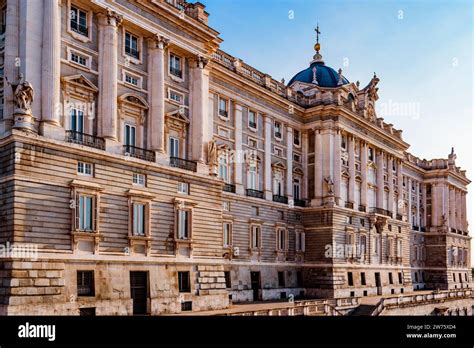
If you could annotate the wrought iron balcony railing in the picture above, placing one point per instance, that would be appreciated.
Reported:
(361, 207)
(85, 139)
(278, 135)
(280, 199)
(176, 72)
(252, 124)
(349, 205)
(299, 202)
(254, 193)
(223, 113)
(423, 229)
(415, 228)
(229, 188)
(380, 211)
(138, 152)
(182, 163)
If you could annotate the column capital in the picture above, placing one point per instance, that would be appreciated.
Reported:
(158, 41)
(111, 18)
(201, 62)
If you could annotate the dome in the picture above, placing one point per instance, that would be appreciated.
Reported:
(325, 76)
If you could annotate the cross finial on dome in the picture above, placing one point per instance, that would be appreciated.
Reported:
(317, 58)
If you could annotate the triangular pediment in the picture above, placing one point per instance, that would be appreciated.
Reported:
(80, 81)
(179, 115)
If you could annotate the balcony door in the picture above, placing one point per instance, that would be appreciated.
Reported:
(174, 147)
(77, 121)
(130, 138)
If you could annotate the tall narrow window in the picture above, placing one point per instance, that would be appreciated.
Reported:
(281, 279)
(138, 219)
(350, 280)
(85, 283)
(252, 181)
(77, 121)
(252, 120)
(255, 237)
(223, 167)
(184, 284)
(174, 147)
(227, 233)
(281, 236)
(223, 107)
(79, 21)
(175, 66)
(183, 224)
(131, 45)
(300, 241)
(296, 189)
(277, 130)
(130, 135)
(85, 213)
(362, 278)
(296, 137)
(278, 185)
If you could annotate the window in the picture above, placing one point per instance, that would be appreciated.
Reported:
(130, 136)
(85, 213)
(253, 179)
(177, 97)
(174, 147)
(281, 239)
(183, 187)
(277, 130)
(300, 241)
(223, 167)
(296, 138)
(132, 80)
(227, 233)
(252, 143)
(78, 21)
(223, 107)
(296, 189)
(184, 224)
(362, 278)
(371, 154)
(344, 142)
(85, 168)
(277, 151)
(77, 121)
(175, 66)
(226, 206)
(85, 283)
(131, 45)
(184, 284)
(281, 279)
(362, 222)
(252, 120)
(255, 211)
(138, 218)
(299, 279)
(78, 59)
(296, 157)
(139, 179)
(400, 280)
(228, 281)
(255, 237)
(390, 278)
(278, 184)
(350, 280)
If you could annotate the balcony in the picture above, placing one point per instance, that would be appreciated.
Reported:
(380, 211)
(132, 52)
(280, 199)
(415, 228)
(299, 202)
(229, 188)
(137, 152)
(399, 217)
(223, 113)
(349, 205)
(176, 72)
(182, 163)
(85, 139)
(423, 229)
(362, 208)
(254, 193)
(252, 125)
(453, 230)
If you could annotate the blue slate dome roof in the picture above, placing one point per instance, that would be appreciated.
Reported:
(325, 75)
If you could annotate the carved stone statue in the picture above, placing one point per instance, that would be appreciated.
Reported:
(23, 95)
(329, 185)
(212, 157)
(444, 220)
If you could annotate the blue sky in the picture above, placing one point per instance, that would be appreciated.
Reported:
(422, 51)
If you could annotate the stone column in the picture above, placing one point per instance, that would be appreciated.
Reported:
(352, 172)
(410, 220)
(238, 157)
(337, 165)
(304, 159)
(446, 205)
(318, 167)
(289, 164)
(10, 71)
(458, 210)
(434, 204)
(51, 70)
(363, 174)
(108, 52)
(390, 206)
(417, 188)
(423, 191)
(267, 174)
(452, 208)
(400, 186)
(380, 180)
(199, 111)
(464, 212)
(156, 93)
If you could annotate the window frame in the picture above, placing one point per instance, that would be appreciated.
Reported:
(86, 57)
(184, 288)
(251, 127)
(171, 67)
(75, 34)
(255, 231)
(280, 130)
(229, 234)
(136, 179)
(80, 281)
(85, 165)
(127, 55)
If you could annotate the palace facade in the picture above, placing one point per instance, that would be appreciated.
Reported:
(154, 173)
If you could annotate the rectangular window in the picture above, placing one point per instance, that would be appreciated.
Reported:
(79, 21)
(183, 224)
(85, 169)
(228, 280)
(138, 219)
(184, 283)
(223, 168)
(362, 278)
(227, 234)
(85, 283)
(300, 241)
(277, 151)
(252, 120)
(255, 237)
(130, 137)
(77, 122)
(177, 97)
(371, 154)
(296, 158)
(139, 179)
(350, 280)
(296, 138)
(223, 107)
(85, 213)
(131, 45)
(281, 279)
(253, 183)
(226, 206)
(175, 66)
(400, 280)
(281, 235)
(390, 278)
(277, 130)
(78, 59)
(174, 147)
(252, 143)
(183, 187)
(132, 80)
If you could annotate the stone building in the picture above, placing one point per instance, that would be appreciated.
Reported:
(154, 173)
